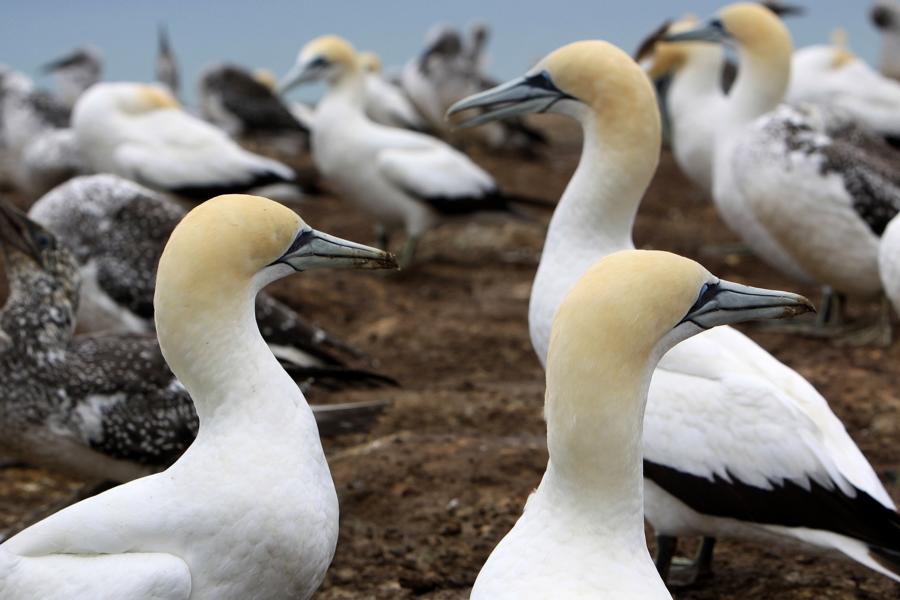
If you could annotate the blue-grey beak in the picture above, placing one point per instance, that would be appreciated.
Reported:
(712, 31)
(314, 249)
(727, 303)
(534, 93)
(303, 72)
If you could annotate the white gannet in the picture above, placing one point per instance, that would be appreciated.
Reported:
(166, 65)
(37, 148)
(76, 72)
(736, 444)
(385, 102)
(582, 531)
(140, 132)
(886, 18)
(404, 179)
(117, 230)
(97, 407)
(838, 176)
(250, 510)
(833, 75)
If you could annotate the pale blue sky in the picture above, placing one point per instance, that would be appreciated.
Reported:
(269, 33)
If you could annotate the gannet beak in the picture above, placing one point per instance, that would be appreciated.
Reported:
(530, 94)
(299, 74)
(16, 231)
(726, 303)
(712, 31)
(313, 249)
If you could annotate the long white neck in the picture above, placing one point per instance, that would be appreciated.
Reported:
(347, 93)
(763, 78)
(209, 336)
(699, 78)
(595, 215)
(595, 410)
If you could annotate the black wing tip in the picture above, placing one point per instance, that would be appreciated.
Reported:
(202, 193)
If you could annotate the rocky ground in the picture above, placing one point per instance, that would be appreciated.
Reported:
(427, 493)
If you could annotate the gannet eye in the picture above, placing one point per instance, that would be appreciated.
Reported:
(707, 293)
(43, 240)
(319, 62)
(543, 81)
(303, 238)
(717, 25)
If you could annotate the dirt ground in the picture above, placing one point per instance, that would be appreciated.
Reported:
(443, 475)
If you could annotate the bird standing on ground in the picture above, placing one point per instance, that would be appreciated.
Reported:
(202, 529)
(140, 132)
(736, 444)
(404, 179)
(840, 178)
(582, 532)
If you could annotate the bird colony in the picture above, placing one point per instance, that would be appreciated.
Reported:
(538, 395)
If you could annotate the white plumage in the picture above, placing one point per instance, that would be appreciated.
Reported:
(889, 262)
(140, 133)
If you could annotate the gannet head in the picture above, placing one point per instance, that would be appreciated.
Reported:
(85, 59)
(751, 26)
(130, 99)
(266, 78)
(659, 58)
(637, 304)
(842, 55)
(326, 58)
(369, 62)
(588, 79)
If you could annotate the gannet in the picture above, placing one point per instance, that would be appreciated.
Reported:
(166, 65)
(37, 148)
(385, 102)
(447, 70)
(139, 132)
(235, 100)
(839, 178)
(582, 532)
(736, 444)
(889, 262)
(250, 510)
(886, 18)
(76, 72)
(833, 75)
(117, 230)
(402, 178)
(97, 407)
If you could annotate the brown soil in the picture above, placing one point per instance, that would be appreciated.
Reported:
(443, 475)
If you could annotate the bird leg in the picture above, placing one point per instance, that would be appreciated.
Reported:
(688, 572)
(665, 552)
(879, 333)
(408, 253)
(382, 237)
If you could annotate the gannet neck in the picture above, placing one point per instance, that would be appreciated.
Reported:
(764, 74)
(700, 76)
(583, 429)
(349, 89)
(596, 213)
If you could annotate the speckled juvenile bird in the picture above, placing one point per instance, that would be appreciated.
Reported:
(103, 408)
(117, 230)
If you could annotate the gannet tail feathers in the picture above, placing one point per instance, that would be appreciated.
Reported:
(271, 173)
(495, 201)
(337, 378)
(349, 417)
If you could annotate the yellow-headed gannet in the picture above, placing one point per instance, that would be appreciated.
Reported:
(117, 230)
(140, 132)
(886, 18)
(582, 532)
(736, 444)
(76, 72)
(250, 510)
(38, 150)
(404, 179)
(166, 65)
(385, 102)
(839, 177)
(100, 408)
